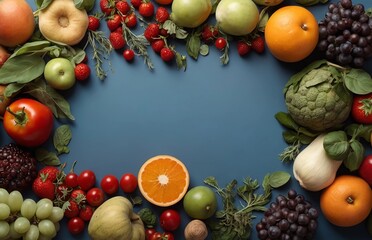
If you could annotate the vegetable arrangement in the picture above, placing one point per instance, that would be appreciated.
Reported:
(328, 110)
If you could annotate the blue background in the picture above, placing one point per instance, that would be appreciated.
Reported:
(218, 119)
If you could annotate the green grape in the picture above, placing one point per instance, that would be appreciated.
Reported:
(4, 229)
(57, 214)
(32, 234)
(44, 210)
(4, 195)
(47, 228)
(28, 208)
(13, 234)
(15, 201)
(44, 200)
(4, 211)
(21, 225)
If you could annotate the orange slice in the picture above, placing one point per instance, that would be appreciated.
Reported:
(163, 180)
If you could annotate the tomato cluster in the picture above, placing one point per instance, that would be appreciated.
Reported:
(170, 221)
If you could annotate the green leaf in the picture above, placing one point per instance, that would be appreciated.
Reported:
(358, 81)
(61, 139)
(181, 61)
(278, 179)
(42, 4)
(30, 47)
(290, 136)
(13, 89)
(336, 145)
(46, 157)
(264, 17)
(22, 69)
(305, 139)
(286, 120)
(193, 45)
(355, 156)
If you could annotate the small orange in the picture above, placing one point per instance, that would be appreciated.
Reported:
(347, 201)
(291, 33)
(164, 2)
(163, 180)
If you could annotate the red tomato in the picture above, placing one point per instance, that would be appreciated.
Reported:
(86, 180)
(75, 225)
(78, 194)
(365, 169)
(95, 197)
(361, 110)
(110, 184)
(28, 122)
(168, 236)
(71, 180)
(156, 236)
(170, 220)
(149, 232)
(128, 183)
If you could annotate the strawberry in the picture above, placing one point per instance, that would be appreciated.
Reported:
(117, 40)
(49, 172)
(161, 15)
(82, 72)
(157, 45)
(106, 7)
(86, 212)
(123, 7)
(43, 188)
(209, 33)
(167, 54)
(243, 48)
(130, 20)
(71, 209)
(152, 31)
(136, 3)
(146, 9)
(62, 192)
(258, 44)
(93, 23)
(113, 22)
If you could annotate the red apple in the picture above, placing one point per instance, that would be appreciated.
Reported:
(4, 55)
(365, 169)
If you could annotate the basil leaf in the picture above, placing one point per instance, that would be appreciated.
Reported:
(61, 139)
(336, 145)
(30, 47)
(358, 81)
(290, 136)
(286, 120)
(355, 157)
(46, 157)
(193, 45)
(13, 89)
(278, 179)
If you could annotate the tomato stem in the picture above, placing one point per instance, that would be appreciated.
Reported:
(20, 116)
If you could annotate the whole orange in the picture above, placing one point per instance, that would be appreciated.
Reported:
(291, 33)
(347, 201)
(164, 2)
(17, 22)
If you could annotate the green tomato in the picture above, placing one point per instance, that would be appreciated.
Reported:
(59, 73)
(190, 13)
(200, 202)
(237, 17)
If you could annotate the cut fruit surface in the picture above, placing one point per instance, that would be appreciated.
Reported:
(163, 180)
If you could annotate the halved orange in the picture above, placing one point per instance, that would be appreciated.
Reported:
(163, 180)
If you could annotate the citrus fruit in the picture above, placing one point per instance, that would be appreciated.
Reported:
(347, 201)
(291, 33)
(163, 180)
(164, 2)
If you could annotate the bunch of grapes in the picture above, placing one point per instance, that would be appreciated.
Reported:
(345, 34)
(27, 219)
(288, 218)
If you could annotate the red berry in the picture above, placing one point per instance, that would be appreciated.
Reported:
(43, 188)
(157, 45)
(146, 9)
(130, 20)
(93, 23)
(114, 22)
(220, 43)
(122, 6)
(82, 72)
(49, 172)
(209, 33)
(106, 7)
(161, 15)
(258, 44)
(136, 3)
(167, 54)
(128, 55)
(117, 40)
(243, 48)
(152, 32)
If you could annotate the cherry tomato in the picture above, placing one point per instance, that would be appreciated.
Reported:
(220, 43)
(128, 54)
(28, 122)
(86, 212)
(156, 236)
(78, 194)
(71, 180)
(149, 232)
(95, 197)
(110, 184)
(86, 179)
(170, 220)
(168, 236)
(75, 225)
(128, 183)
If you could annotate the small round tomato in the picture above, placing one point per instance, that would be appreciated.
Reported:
(110, 184)
(128, 182)
(168, 236)
(75, 225)
(149, 232)
(95, 197)
(156, 236)
(71, 180)
(170, 220)
(220, 43)
(86, 180)
(361, 110)
(86, 212)
(78, 194)
(28, 122)
(128, 55)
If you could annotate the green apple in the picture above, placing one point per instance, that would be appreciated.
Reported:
(59, 73)
(237, 17)
(190, 13)
(200, 202)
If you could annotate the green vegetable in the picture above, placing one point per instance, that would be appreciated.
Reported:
(234, 222)
(148, 217)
